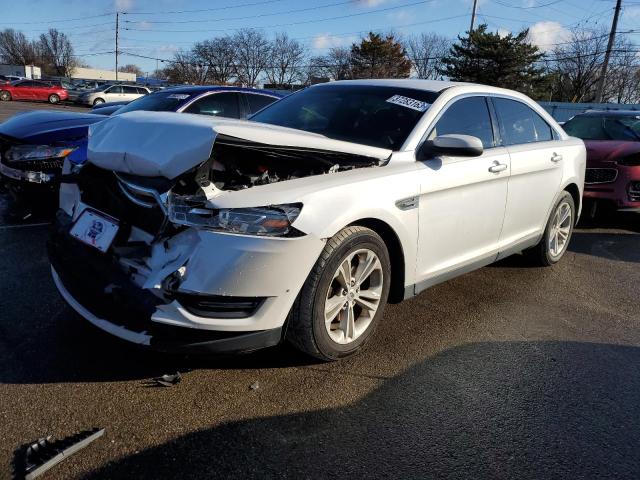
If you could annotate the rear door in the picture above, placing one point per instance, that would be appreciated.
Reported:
(129, 93)
(536, 170)
(40, 91)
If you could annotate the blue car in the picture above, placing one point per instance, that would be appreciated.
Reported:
(34, 145)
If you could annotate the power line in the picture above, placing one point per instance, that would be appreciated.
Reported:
(174, 12)
(60, 20)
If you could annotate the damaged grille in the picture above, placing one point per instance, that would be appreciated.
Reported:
(600, 175)
(103, 190)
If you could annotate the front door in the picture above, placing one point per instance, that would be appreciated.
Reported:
(462, 201)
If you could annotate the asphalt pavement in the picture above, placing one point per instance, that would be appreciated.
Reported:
(507, 372)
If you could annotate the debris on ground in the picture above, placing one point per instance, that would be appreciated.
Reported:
(254, 386)
(34, 459)
(168, 380)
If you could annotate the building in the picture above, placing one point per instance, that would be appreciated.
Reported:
(95, 74)
(26, 71)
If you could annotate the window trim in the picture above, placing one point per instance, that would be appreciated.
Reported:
(448, 105)
(555, 135)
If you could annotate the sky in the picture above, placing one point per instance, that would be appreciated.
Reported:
(158, 28)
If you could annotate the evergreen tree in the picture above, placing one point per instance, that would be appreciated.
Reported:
(379, 57)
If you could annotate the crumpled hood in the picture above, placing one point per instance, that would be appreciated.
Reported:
(168, 144)
(33, 124)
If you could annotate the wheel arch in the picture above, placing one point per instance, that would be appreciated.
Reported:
(573, 189)
(396, 254)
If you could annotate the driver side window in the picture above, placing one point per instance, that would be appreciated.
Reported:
(467, 116)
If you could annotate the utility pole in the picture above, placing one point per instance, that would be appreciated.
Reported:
(117, 27)
(605, 64)
(473, 16)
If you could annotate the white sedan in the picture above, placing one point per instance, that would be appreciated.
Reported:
(196, 234)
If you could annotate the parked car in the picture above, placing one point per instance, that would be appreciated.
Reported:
(112, 93)
(190, 233)
(613, 157)
(4, 80)
(46, 137)
(32, 90)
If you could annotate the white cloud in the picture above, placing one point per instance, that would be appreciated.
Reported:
(326, 40)
(123, 5)
(370, 3)
(503, 32)
(547, 34)
(631, 13)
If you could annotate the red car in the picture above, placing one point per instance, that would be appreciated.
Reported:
(32, 90)
(613, 156)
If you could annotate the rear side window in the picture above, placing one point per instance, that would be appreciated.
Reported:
(141, 91)
(217, 104)
(132, 90)
(521, 124)
(258, 102)
(468, 116)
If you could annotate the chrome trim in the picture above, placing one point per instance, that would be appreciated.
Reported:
(408, 203)
(615, 177)
(128, 188)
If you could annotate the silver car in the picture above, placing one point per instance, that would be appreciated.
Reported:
(112, 93)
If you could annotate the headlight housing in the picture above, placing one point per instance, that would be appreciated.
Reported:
(269, 221)
(27, 153)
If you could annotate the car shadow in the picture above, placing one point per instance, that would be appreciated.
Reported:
(624, 247)
(483, 410)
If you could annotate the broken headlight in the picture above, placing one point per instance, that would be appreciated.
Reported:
(26, 153)
(271, 221)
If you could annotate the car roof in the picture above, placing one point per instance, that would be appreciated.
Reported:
(415, 83)
(190, 89)
(610, 113)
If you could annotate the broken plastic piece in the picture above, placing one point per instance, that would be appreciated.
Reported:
(168, 380)
(40, 456)
(254, 386)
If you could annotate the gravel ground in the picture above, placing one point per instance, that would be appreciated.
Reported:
(507, 372)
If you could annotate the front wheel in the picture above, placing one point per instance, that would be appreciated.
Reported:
(557, 234)
(53, 99)
(5, 96)
(98, 101)
(344, 296)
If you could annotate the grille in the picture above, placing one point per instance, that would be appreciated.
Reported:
(38, 165)
(600, 175)
(101, 190)
(634, 191)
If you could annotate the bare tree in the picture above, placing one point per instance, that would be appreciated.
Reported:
(286, 61)
(426, 52)
(56, 53)
(131, 68)
(336, 65)
(15, 49)
(575, 65)
(185, 68)
(219, 57)
(253, 52)
(622, 84)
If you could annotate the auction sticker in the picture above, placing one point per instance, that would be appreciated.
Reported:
(411, 103)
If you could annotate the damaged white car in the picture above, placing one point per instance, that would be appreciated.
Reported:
(202, 235)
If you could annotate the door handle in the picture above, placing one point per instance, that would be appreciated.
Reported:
(497, 167)
(555, 158)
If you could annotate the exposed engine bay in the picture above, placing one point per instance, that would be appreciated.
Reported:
(237, 164)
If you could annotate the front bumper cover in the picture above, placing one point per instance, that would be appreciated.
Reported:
(97, 289)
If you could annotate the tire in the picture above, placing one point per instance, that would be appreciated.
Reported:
(543, 254)
(53, 99)
(98, 101)
(329, 341)
(5, 96)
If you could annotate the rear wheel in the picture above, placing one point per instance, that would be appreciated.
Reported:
(53, 98)
(98, 101)
(344, 296)
(5, 96)
(557, 234)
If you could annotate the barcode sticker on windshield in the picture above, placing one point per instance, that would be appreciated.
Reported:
(178, 96)
(409, 103)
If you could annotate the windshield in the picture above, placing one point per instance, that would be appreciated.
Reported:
(378, 116)
(157, 102)
(600, 127)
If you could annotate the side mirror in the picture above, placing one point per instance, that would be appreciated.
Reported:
(453, 145)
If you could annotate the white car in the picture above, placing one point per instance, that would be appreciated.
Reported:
(197, 234)
(111, 93)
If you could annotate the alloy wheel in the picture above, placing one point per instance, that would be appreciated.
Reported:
(353, 296)
(560, 230)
